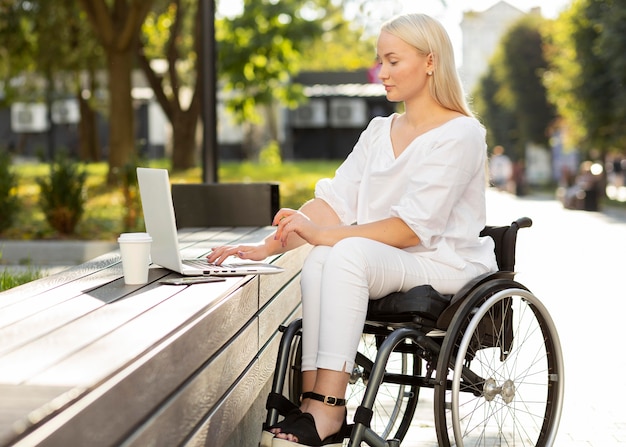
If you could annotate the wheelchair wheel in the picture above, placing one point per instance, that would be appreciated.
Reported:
(502, 367)
(395, 403)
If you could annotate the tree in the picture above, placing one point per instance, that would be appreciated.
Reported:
(259, 52)
(17, 51)
(515, 101)
(524, 66)
(117, 24)
(343, 45)
(42, 38)
(587, 73)
(493, 112)
(172, 30)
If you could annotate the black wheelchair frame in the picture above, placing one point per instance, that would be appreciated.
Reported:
(491, 353)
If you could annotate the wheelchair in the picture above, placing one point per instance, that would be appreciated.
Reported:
(490, 353)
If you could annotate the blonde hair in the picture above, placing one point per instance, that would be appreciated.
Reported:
(428, 36)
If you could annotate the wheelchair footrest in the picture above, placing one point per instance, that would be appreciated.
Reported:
(421, 301)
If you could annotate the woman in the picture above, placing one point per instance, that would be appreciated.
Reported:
(404, 209)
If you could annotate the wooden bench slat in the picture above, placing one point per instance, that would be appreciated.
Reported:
(292, 263)
(45, 300)
(184, 410)
(33, 288)
(18, 401)
(214, 430)
(277, 311)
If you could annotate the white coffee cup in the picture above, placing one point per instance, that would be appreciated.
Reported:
(135, 251)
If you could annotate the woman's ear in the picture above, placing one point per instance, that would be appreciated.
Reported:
(430, 62)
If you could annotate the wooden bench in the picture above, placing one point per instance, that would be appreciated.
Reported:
(87, 360)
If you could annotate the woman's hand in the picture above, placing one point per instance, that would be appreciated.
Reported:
(293, 228)
(251, 252)
(291, 222)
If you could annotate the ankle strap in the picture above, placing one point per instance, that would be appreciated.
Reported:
(328, 400)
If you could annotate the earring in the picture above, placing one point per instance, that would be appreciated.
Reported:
(429, 73)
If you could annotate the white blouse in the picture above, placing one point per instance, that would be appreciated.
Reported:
(436, 185)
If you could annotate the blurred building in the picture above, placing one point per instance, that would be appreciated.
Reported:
(482, 32)
(339, 107)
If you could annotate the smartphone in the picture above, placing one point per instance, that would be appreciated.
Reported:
(188, 280)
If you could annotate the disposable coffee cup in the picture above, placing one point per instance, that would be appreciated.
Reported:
(135, 251)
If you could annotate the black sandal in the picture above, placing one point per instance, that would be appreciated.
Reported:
(303, 427)
(286, 408)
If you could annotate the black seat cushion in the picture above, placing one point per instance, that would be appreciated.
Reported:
(421, 301)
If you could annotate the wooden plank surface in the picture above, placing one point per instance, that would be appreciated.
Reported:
(158, 351)
(188, 238)
(184, 410)
(35, 316)
(93, 358)
(292, 263)
(21, 407)
(278, 310)
(219, 425)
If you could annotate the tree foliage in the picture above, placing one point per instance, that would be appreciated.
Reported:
(514, 103)
(46, 46)
(497, 116)
(587, 73)
(343, 45)
(261, 49)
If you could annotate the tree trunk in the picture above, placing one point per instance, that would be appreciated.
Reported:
(184, 149)
(121, 120)
(88, 141)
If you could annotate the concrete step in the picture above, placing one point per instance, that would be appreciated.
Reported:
(52, 253)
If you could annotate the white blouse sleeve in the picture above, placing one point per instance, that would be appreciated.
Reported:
(341, 192)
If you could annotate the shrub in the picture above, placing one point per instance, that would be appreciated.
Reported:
(8, 196)
(270, 154)
(62, 197)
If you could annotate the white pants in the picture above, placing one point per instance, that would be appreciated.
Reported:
(337, 283)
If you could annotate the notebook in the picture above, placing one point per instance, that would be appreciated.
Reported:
(160, 221)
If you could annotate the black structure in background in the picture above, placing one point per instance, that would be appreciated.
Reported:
(209, 93)
(339, 107)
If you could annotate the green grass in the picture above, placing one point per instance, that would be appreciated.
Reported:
(10, 279)
(105, 205)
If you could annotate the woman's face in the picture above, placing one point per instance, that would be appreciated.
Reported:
(403, 70)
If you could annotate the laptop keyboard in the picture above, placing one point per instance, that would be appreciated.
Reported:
(201, 263)
(204, 265)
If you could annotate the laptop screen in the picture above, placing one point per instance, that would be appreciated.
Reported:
(158, 212)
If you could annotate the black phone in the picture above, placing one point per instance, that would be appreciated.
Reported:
(188, 280)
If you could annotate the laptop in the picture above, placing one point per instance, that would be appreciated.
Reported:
(158, 213)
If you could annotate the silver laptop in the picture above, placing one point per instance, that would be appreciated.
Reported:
(158, 213)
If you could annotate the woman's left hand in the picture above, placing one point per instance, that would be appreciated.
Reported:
(290, 222)
(256, 252)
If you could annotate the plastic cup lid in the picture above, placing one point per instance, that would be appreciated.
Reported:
(134, 237)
